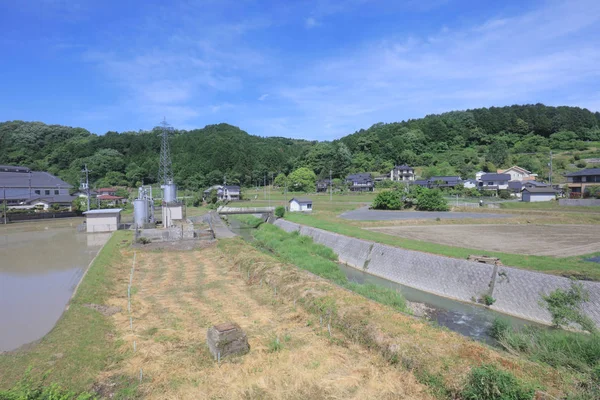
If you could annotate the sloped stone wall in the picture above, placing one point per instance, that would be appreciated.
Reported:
(517, 292)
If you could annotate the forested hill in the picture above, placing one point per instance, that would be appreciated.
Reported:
(458, 142)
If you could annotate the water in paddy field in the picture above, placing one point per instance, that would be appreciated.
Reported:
(41, 263)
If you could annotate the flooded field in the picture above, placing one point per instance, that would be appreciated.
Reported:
(41, 263)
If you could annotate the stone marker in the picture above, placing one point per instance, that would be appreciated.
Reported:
(227, 338)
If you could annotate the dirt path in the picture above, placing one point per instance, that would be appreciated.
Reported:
(178, 295)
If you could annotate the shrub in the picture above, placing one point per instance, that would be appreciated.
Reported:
(581, 164)
(488, 300)
(489, 383)
(565, 307)
(431, 200)
(143, 240)
(504, 194)
(388, 200)
(499, 329)
(279, 211)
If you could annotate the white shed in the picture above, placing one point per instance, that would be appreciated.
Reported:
(534, 194)
(106, 220)
(300, 204)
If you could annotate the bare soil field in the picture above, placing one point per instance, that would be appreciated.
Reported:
(179, 294)
(531, 239)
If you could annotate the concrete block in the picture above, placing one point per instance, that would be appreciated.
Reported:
(227, 339)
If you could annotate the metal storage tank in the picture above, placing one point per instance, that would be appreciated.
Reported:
(169, 192)
(140, 212)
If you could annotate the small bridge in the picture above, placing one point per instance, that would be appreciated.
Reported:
(268, 213)
(224, 210)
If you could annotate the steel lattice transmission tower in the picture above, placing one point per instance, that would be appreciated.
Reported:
(165, 171)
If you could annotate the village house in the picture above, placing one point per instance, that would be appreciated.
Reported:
(323, 185)
(360, 182)
(23, 188)
(518, 174)
(109, 196)
(298, 204)
(444, 181)
(224, 192)
(402, 173)
(579, 183)
(535, 194)
(494, 181)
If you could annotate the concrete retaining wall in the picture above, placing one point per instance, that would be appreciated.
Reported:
(517, 292)
(579, 202)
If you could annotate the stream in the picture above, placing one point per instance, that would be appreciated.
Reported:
(467, 319)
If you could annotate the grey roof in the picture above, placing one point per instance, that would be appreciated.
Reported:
(232, 187)
(444, 178)
(61, 198)
(584, 172)
(535, 183)
(39, 179)
(104, 211)
(14, 168)
(403, 167)
(539, 189)
(302, 200)
(420, 182)
(496, 177)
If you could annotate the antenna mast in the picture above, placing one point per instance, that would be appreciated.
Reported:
(165, 171)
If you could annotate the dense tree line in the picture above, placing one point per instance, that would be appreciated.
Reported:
(458, 142)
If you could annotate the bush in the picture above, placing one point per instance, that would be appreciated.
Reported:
(388, 200)
(504, 194)
(279, 211)
(431, 200)
(581, 164)
(27, 389)
(565, 307)
(489, 383)
(499, 329)
(487, 300)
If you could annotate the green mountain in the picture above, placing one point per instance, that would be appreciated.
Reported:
(457, 142)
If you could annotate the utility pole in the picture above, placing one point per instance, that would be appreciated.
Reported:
(330, 187)
(87, 184)
(5, 216)
(550, 177)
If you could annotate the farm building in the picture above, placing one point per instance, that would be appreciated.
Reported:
(300, 204)
(107, 220)
(534, 194)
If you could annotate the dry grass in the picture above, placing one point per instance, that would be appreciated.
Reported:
(178, 295)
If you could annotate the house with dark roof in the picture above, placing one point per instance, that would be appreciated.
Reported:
(20, 185)
(494, 181)
(360, 182)
(323, 185)
(300, 204)
(224, 192)
(444, 181)
(579, 183)
(402, 173)
(535, 194)
(518, 174)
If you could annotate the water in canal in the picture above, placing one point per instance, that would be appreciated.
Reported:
(467, 319)
(41, 263)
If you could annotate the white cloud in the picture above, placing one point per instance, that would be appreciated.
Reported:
(263, 97)
(311, 22)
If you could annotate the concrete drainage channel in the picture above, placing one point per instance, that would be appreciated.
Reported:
(517, 292)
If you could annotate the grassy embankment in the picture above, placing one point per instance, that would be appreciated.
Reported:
(317, 259)
(446, 362)
(81, 344)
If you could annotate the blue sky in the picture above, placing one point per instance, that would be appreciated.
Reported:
(316, 69)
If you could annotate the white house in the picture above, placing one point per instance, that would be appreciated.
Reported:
(107, 220)
(470, 184)
(494, 181)
(534, 194)
(518, 174)
(300, 204)
(478, 175)
(402, 173)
